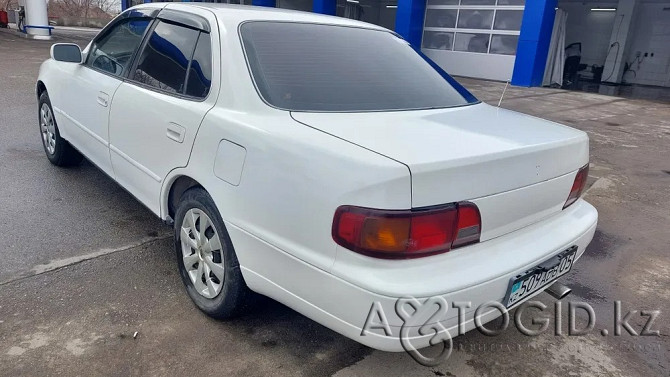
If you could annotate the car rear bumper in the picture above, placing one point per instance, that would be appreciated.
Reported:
(342, 298)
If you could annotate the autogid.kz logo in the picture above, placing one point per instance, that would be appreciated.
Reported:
(423, 322)
(422, 317)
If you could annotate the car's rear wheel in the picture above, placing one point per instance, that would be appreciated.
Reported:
(207, 261)
(58, 150)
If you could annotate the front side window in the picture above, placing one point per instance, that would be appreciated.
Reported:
(313, 67)
(164, 61)
(113, 51)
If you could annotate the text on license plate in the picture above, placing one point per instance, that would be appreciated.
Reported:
(531, 281)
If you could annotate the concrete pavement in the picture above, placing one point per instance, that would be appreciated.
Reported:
(85, 266)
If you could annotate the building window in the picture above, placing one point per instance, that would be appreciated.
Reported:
(481, 26)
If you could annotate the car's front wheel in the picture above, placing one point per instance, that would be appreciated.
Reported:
(207, 261)
(58, 150)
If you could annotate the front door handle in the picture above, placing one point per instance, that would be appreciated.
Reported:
(103, 99)
(175, 132)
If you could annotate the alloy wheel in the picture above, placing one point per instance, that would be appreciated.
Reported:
(202, 253)
(48, 128)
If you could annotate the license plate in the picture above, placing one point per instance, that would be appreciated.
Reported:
(537, 278)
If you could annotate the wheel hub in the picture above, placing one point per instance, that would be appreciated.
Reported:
(202, 253)
(48, 128)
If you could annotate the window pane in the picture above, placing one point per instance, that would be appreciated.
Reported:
(112, 52)
(442, 2)
(511, 2)
(312, 67)
(441, 17)
(475, 19)
(478, 2)
(438, 40)
(200, 74)
(471, 42)
(164, 59)
(504, 44)
(508, 20)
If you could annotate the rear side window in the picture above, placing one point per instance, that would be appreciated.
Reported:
(314, 67)
(113, 50)
(200, 72)
(164, 61)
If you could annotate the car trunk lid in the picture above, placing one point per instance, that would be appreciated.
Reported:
(479, 153)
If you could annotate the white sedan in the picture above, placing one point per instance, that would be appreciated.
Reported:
(319, 161)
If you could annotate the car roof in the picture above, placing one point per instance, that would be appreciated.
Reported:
(242, 13)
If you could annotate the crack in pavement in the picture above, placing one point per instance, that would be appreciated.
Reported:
(62, 263)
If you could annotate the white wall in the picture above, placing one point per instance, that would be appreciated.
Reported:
(592, 29)
(472, 64)
(651, 33)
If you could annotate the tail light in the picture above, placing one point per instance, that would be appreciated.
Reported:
(577, 186)
(402, 234)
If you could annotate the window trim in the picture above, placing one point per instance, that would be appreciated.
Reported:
(189, 20)
(190, 61)
(462, 91)
(130, 75)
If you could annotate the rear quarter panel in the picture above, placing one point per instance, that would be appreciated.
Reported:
(292, 181)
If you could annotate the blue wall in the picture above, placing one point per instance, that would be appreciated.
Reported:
(264, 3)
(531, 52)
(324, 6)
(409, 20)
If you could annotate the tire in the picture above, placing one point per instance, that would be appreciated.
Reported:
(59, 151)
(201, 268)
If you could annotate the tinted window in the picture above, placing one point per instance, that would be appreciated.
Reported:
(441, 17)
(113, 50)
(314, 67)
(475, 19)
(164, 60)
(508, 20)
(200, 73)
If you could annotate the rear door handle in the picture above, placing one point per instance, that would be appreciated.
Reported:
(175, 132)
(103, 99)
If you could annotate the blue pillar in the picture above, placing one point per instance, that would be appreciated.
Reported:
(324, 6)
(125, 4)
(264, 3)
(147, 1)
(531, 52)
(409, 20)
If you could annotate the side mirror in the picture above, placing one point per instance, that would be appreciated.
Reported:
(66, 52)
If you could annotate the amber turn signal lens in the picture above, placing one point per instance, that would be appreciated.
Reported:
(385, 234)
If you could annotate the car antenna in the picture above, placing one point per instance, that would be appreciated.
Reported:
(503, 93)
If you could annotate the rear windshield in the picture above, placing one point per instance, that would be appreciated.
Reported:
(314, 67)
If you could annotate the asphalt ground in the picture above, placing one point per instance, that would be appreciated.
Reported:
(89, 284)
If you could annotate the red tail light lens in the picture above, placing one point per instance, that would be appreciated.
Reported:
(401, 234)
(577, 186)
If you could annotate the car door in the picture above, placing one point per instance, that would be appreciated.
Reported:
(155, 114)
(88, 93)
